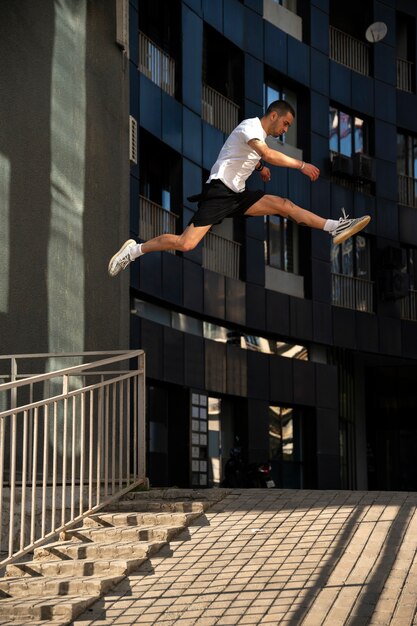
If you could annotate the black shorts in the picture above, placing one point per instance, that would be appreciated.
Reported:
(217, 201)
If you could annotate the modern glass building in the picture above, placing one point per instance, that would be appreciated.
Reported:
(114, 114)
(305, 351)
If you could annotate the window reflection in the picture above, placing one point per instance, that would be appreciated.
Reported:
(358, 139)
(285, 450)
(347, 257)
(347, 133)
(214, 332)
(352, 258)
(281, 434)
(334, 129)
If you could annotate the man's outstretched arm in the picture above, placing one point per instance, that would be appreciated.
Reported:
(282, 160)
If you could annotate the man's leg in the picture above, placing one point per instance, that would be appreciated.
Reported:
(130, 250)
(274, 205)
(340, 229)
(189, 239)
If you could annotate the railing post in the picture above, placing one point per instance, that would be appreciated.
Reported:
(141, 418)
(13, 378)
(42, 426)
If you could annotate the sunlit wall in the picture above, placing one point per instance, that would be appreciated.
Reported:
(64, 177)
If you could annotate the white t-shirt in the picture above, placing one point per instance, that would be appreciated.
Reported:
(237, 160)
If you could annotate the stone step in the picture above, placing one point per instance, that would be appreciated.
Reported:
(53, 610)
(141, 505)
(121, 533)
(114, 567)
(104, 520)
(99, 550)
(31, 622)
(46, 586)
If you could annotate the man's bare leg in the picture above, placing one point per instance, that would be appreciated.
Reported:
(274, 205)
(130, 250)
(340, 230)
(189, 239)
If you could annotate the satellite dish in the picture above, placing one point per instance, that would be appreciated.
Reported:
(376, 32)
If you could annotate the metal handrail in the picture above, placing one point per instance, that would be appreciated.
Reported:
(351, 292)
(407, 190)
(349, 51)
(405, 75)
(409, 306)
(221, 255)
(218, 110)
(66, 443)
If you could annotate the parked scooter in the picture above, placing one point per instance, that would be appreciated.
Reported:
(239, 474)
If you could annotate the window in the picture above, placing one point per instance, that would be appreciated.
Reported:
(352, 258)
(280, 243)
(273, 92)
(348, 134)
(159, 53)
(223, 64)
(407, 169)
(410, 266)
(407, 155)
(351, 274)
(405, 40)
(159, 184)
(214, 332)
(291, 5)
(285, 451)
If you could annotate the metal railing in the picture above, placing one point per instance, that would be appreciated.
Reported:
(349, 51)
(409, 306)
(156, 65)
(405, 75)
(221, 255)
(71, 441)
(407, 190)
(352, 293)
(218, 110)
(155, 220)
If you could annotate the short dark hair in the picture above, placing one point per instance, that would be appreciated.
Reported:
(282, 107)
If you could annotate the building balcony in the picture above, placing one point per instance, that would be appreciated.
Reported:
(409, 306)
(154, 220)
(349, 51)
(407, 190)
(218, 110)
(405, 71)
(350, 292)
(221, 255)
(156, 65)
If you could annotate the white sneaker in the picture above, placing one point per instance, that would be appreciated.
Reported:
(346, 227)
(121, 259)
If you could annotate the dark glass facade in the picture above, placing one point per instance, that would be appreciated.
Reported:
(306, 354)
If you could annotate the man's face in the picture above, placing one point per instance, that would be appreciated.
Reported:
(280, 123)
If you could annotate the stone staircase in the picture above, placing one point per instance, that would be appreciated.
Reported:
(64, 578)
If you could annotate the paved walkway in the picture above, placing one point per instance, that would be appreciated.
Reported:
(280, 557)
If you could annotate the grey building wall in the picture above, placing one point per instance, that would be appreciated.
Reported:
(64, 176)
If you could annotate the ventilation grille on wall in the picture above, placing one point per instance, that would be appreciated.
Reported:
(122, 24)
(133, 140)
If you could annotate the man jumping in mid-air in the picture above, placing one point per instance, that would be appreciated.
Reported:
(225, 194)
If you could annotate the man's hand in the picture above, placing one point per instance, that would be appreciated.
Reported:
(311, 171)
(265, 174)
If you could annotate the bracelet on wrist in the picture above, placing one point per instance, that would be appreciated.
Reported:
(259, 167)
(302, 166)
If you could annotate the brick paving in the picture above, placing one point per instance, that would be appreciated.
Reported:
(291, 557)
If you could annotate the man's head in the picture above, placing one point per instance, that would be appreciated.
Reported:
(278, 118)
